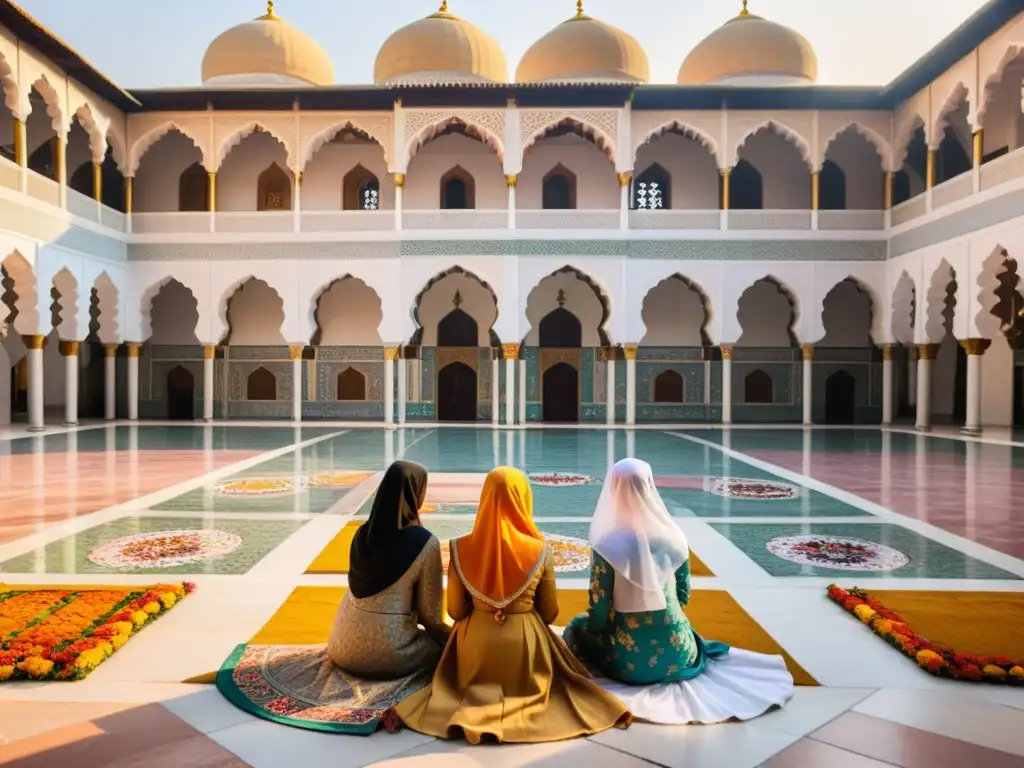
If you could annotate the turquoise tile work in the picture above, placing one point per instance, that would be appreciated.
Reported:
(249, 542)
(879, 551)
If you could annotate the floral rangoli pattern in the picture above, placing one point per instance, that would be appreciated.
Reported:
(562, 479)
(165, 549)
(571, 555)
(840, 553)
(742, 488)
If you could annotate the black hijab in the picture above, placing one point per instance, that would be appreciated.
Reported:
(390, 541)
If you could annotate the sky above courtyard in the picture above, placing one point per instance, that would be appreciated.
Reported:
(160, 43)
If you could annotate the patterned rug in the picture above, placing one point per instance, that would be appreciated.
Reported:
(300, 686)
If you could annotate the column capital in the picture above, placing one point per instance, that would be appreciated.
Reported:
(110, 350)
(629, 351)
(625, 178)
(725, 171)
(70, 348)
(510, 351)
(887, 351)
(726, 351)
(927, 351)
(975, 346)
(209, 351)
(399, 180)
(608, 354)
(34, 341)
(295, 351)
(390, 353)
(808, 351)
(133, 348)
(510, 180)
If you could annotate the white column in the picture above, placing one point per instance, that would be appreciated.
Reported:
(390, 355)
(974, 348)
(132, 381)
(34, 355)
(887, 394)
(402, 386)
(209, 353)
(295, 353)
(925, 358)
(630, 385)
(70, 350)
(625, 181)
(522, 393)
(399, 186)
(808, 391)
(726, 383)
(609, 402)
(912, 356)
(511, 353)
(110, 381)
(496, 396)
(510, 180)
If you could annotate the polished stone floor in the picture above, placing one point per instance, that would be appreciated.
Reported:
(927, 512)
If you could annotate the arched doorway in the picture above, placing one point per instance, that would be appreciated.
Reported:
(840, 398)
(561, 394)
(457, 329)
(560, 328)
(456, 393)
(181, 390)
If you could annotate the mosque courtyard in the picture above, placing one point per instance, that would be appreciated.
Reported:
(925, 523)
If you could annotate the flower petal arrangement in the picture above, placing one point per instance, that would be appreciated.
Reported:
(65, 634)
(929, 656)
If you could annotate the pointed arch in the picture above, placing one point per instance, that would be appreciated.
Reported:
(601, 140)
(146, 304)
(274, 189)
(273, 314)
(351, 385)
(904, 309)
(457, 189)
(760, 336)
(147, 140)
(880, 144)
(473, 128)
(96, 130)
(346, 311)
(702, 137)
(558, 189)
(243, 132)
(54, 106)
(261, 385)
(22, 294)
(360, 190)
(540, 303)
(652, 189)
(774, 126)
(841, 325)
(66, 286)
(904, 136)
(994, 79)
(319, 139)
(943, 291)
(107, 301)
(426, 327)
(959, 95)
(674, 314)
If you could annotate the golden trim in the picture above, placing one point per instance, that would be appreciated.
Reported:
(726, 175)
(399, 180)
(510, 351)
(209, 351)
(21, 143)
(808, 350)
(128, 193)
(979, 147)
(726, 351)
(929, 179)
(887, 192)
(133, 348)
(815, 189)
(887, 351)
(391, 353)
(97, 182)
(60, 155)
(975, 346)
(110, 350)
(629, 351)
(510, 180)
(453, 551)
(211, 186)
(927, 351)
(295, 351)
(34, 341)
(70, 348)
(625, 179)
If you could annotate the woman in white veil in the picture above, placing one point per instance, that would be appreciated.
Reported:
(636, 635)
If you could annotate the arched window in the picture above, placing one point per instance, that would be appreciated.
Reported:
(746, 188)
(458, 190)
(759, 388)
(112, 183)
(952, 158)
(668, 387)
(351, 385)
(558, 189)
(194, 189)
(457, 329)
(81, 179)
(274, 190)
(262, 385)
(831, 187)
(360, 190)
(900, 187)
(652, 189)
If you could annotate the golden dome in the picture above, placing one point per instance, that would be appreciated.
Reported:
(440, 48)
(750, 50)
(266, 51)
(585, 49)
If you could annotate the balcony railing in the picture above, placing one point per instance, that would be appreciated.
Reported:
(1003, 169)
(910, 209)
(473, 219)
(769, 220)
(82, 206)
(10, 174)
(851, 220)
(568, 219)
(348, 221)
(676, 219)
(44, 189)
(170, 223)
(949, 192)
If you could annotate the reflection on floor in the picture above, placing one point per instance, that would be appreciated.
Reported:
(774, 515)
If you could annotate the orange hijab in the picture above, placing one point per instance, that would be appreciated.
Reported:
(501, 556)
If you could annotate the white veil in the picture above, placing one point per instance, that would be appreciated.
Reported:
(633, 531)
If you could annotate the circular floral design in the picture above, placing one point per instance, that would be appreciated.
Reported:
(562, 479)
(742, 488)
(337, 479)
(570, 554)
(166, 549)
(838, 552)
(257, 487)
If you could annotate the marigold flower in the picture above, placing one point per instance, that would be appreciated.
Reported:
(993, 671)
(152, 607)
(971, 672)
(883, 626)
(118, 640)
(35, 667)
(6, 673)
(139, 618)
(864, 613)
(168, 599)
(1017, 672)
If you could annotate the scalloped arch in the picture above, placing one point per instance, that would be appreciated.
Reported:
(904, 135)
(794, 137)
(224, 302)
(324, 288)
(97, 136)
(703, 138)
(147, 298)
(938, 287)
(107, 295)
(24, 275)
(1010, 55)
(692, 285)
(882, 147)
(54, 108)
(579, 274)
(147, 140)
(243, 132)
(601, 139)
(440, 277)
(317, 142)
(428, 132)
(9, 84)
(960, 94)
(904, 301)
(788, 293)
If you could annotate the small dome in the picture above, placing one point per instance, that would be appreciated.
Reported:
(442, 48)
(584, 49)
(266, 51)
(750, 50)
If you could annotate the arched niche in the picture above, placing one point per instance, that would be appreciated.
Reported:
(355, 157)
(758, 388)
(274, 189)
(578, 295)
(458, 329)
(460, 292)
(682, 155)
(852, 176)
(194, 189)
(652, 189)
(348, 314)
(746, 187)
(261, 385)
(669, 387)
(251, 169)
(351, 385)
(778, 160)
(675, 314)
(360, 190)
(255, 316)
(572, 145)
(457, 190)
(558, 189)
(477, 180)
(766, 313)
(846, 316)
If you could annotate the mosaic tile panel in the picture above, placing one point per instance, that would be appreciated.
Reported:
(344, 411)
(427, 374)
(350, 354)
(673, 354)
(693, 380)
(238, 376)
(257, 353)
(327, 379)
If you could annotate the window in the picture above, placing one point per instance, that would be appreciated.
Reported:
(262, 385)
(831, 187)
(274, 188)
(194, 189)
(360, 190)
(458, 190)
(652, 189)
(746, 188)
(81, 180)
(558, 189)
(759, 388)
(351, 385)
(668, 387)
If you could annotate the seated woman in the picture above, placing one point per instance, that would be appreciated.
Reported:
(636, 632)
(377, 653)
(504, 675)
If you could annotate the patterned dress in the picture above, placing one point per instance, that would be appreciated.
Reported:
(639, 648)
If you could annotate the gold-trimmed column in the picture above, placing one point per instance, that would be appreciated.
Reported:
(929, 174)
(887, 191)
(808, 383)
(295, 354)
(726, 383)
(974, 348)
(70, 351)
(926, 354)
(629, 351)
(97, 182)
(511, 353)
(110, 381)
(129, 194)
(132, 379)
(724, 198)
(979, 147)
(399, 189)
(297, 202)
(390, 356)
(20, 143)
(625, 183)
(34, 364)
(887, 384)
(60, 166)
(209, 355)
(815, 189)
(510, 181)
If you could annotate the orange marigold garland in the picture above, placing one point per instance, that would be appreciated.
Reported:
(55, 635)
(932, 658)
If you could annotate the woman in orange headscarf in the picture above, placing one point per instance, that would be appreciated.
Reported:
(504, 675)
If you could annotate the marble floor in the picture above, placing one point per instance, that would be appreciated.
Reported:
(935, 512)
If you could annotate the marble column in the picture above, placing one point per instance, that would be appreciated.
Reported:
(209, 355)
(495, 393)
(609, 394)
(70, 350)
(726, 383)
(132, 381)
(34, 346)
(723, 202)
(60, 161)
(887, 393)
(815, 192)
(625, 183)
(521, 400)
(974, 348)
(403, 378)
(926, 354)
(295, 353)
(211, 198)
(808, 383)
(110, 381)
(399, 188)
(511, 354)
(979, 155)
(510, 181)
(129, 197)
(630, 352)
(390, 356)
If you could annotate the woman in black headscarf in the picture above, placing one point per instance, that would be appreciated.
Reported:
(394, 586)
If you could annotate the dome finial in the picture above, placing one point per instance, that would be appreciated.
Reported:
(744, 11)
(444, 7)
(579, 9)
(269, 15)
